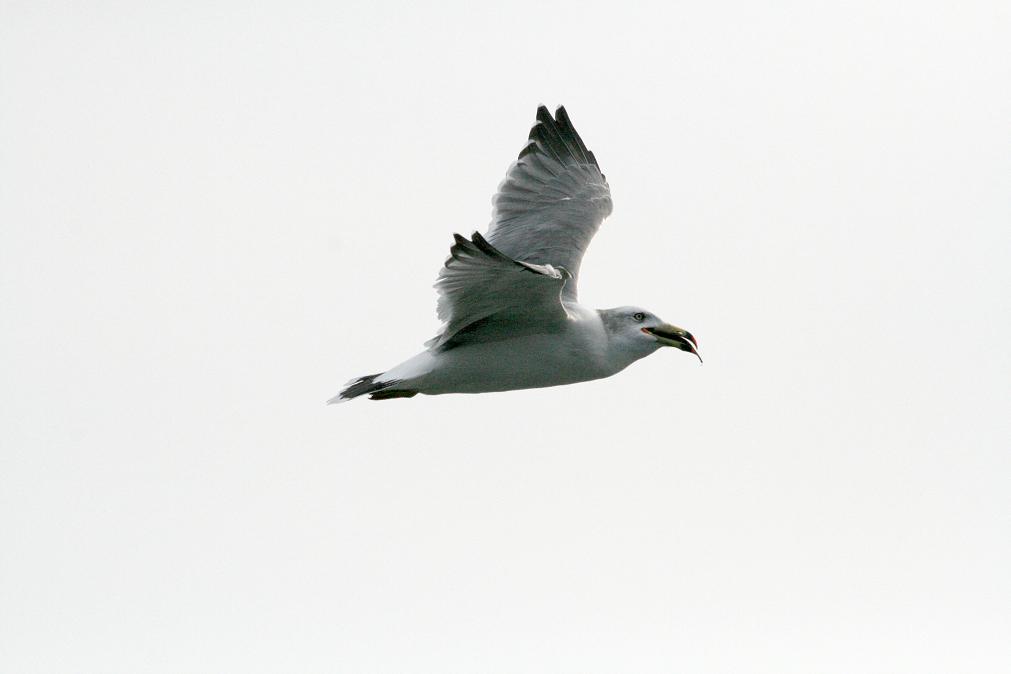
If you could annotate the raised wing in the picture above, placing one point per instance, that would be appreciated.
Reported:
(552, 200)
(484, 295)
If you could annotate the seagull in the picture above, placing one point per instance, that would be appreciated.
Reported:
(507, 299)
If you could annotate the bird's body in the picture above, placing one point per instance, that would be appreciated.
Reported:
(508, 300)
(577, 352)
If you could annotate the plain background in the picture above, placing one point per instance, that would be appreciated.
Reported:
(213, 214)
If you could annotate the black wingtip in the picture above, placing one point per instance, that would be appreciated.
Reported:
(486, 248)
(544, 119)
(562, 119)
(482, 244)
(462, 245)
(556, 137)
(530, 147)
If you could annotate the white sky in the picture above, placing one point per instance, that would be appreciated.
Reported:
(212, 215)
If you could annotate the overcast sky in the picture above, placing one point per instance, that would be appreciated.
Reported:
(214, 214)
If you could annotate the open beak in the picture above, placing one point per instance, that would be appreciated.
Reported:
(668, 335)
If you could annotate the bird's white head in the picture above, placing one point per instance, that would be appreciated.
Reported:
(634, 333)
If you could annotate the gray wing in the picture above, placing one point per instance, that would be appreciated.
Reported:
(552, 200)
(486, 295)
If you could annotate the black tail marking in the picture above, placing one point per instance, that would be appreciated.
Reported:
(361, 386)
(389, 393)
(367, 385)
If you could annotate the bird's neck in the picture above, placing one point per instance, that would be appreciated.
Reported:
(617, 353)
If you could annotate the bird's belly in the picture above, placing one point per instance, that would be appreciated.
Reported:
(527, 362)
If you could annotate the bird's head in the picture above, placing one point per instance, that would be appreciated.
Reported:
(638, 332)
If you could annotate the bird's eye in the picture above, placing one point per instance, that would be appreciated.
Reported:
(639, 316)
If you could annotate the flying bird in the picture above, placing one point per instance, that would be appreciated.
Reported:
(507, 299)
